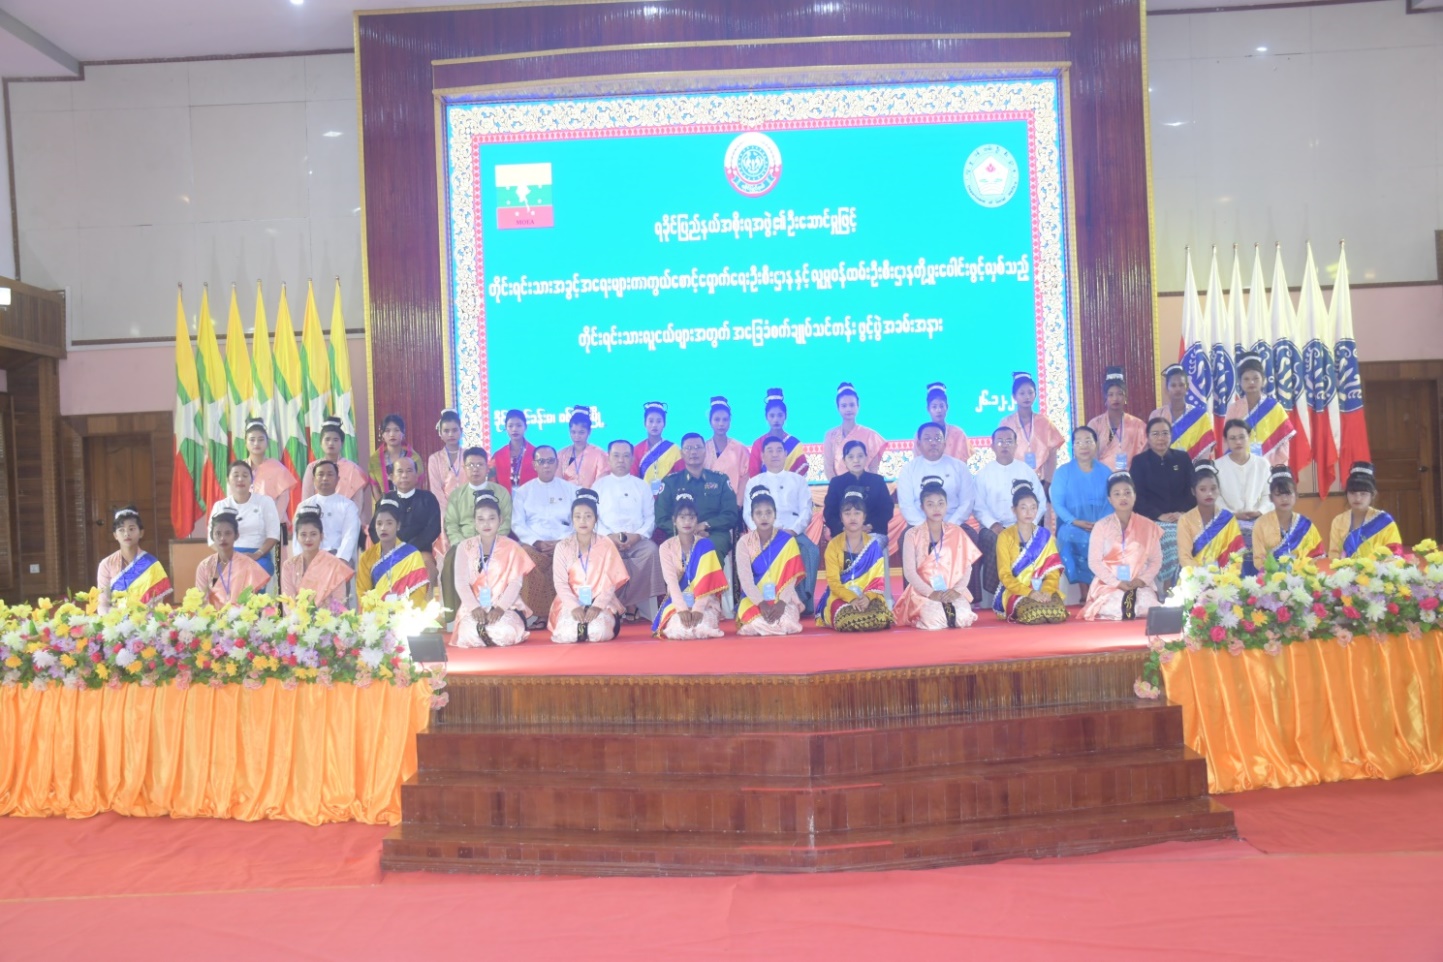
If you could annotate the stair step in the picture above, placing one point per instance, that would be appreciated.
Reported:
(947, 794)
(758, 750)
(560, 852)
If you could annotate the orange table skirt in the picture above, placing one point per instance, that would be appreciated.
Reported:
(308, 754)
(1317, 712)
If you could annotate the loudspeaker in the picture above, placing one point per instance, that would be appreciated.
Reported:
(1164, 620)
(430, 646)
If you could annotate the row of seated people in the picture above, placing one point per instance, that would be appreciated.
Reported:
(587, 573)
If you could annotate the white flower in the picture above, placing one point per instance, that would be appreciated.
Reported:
(238, 652)
(125, 657)
(12, 640)
(311, 638)
(113, 632)
(43, 659)
(72, 680)
(1428, 617)
(1374, 611)
(372, 656)
(1310, 623)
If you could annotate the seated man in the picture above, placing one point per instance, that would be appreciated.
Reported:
(792, 504)
(716, 502)
(994, 509)
(420, 513)
(627, 515)
(930, 461)
(340, 522)
(540, 517)
(459, 521)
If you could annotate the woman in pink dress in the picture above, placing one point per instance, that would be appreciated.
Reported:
(582, 463)
(351, 481)
(849, 430)
(1120, 436)
(694, 580)
(586, 569)
(488, 572)
(314, 570)
(444, 469)
(776, 414)
(1038, 439)
(954, 439)
(225, 575)
(726, 455)
(1125, 555)
(268, 476)
(937, 560)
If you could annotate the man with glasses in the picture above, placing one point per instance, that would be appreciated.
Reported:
(540, 517)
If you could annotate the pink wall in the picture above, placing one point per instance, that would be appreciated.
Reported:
(132, 379)
(1402, 323)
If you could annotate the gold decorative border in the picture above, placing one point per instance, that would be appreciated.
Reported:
(458, 137)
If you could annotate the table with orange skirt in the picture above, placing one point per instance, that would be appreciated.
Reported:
(307, 753)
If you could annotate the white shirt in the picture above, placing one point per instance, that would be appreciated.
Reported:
(257, 520)
(627, 505)
(541, 511)
(994, 492)
(792, 495)
(340, 526)
(1244, 487)
(956, 481)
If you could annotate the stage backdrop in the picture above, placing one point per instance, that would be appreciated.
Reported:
(680, 246)
(414, 67)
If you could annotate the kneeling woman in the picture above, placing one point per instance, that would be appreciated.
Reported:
(587, 570)
(1208, 534)
(856, 564)
(1029, 567)
(694, 580)
(1362, 528)
(1282, 532)
(391, 569)
(225, 575)
(1125, 556)
(769, 567)
(129, 577)
(937, 560)
(314, 570)
(488, 573)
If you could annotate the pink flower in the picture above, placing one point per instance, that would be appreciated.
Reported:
(1319, 611)
(1199, 612)
(1235, 647)
(1167, 655)
(1392, 608)
(1428, 604)
(1284, 615)
(440, 701)
(1249, 627)
(1345, 637)
(1218, 634)
(1350, 612)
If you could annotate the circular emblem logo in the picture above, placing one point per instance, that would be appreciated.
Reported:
(1287, 374)
(990, 175)
(753, 164)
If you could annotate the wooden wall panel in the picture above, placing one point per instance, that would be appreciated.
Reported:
(395, 53)
(35, 404)
(8, 548)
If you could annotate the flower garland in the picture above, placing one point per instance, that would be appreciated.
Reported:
(1377, 596)
(259, 638)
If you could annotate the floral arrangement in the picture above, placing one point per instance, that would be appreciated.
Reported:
(261, 637)
(1295, 600)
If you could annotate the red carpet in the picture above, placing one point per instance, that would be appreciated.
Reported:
(1273, 896)
(635, 652)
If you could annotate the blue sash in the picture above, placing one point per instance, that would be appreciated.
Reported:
(383, 567)
(1025, 560)
(653, 454)
(1214, 528)
(1360, 535)
(134, 570)
(1293, 539)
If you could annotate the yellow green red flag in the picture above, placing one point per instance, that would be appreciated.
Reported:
(315, 374)
(242, 399)
(343, 403)
(186, 507)
(214, 391)
(263, 369)
(290, 425)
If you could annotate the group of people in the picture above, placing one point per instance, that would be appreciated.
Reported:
(585, 539)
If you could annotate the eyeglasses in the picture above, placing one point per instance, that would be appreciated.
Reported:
(546, 460)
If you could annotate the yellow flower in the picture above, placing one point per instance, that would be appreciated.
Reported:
(384, 672)
(1434, 558)
(230, 668)
(1389, 588)
(13, 661)
(34, 646)
(1405, 592)
(102, 670)
(147, 653)
(133, 668)
(1364, 581)
(67, 660)
(43, 604)
(1238, 610)
(206, 644)
(1425, 546)
(1347, 599)
(1260, 618)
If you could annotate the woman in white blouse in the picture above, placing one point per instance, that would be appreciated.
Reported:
(1243, 480)
(258, 523)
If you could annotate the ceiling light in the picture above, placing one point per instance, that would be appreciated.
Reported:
(332, 133)
(1260, 49)
(1175, 123)
(297, 3)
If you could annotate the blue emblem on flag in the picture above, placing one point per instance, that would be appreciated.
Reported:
(1321, 378)
(1350, 384)
(1287, 374)
(1264, 351)
(1199, 374)
(1225, 379)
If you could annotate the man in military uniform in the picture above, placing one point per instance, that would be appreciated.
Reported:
(716, 502)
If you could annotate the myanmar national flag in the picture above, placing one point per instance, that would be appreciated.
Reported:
(263, 368)
(186, 506)
(343, 404)
(523, 196)
(315, 376)
(290, 424)
(214, 398)
(242, 400)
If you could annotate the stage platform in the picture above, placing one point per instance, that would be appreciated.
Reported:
(810, 753)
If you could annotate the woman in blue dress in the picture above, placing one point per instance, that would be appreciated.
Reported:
(1079, 498)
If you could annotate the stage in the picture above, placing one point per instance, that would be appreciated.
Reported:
(814, 651)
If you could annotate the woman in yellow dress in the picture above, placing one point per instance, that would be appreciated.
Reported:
(391, 568)
(130, 576)
(1360, 529)
(1208, 534)
(856, 564)
(1282, 532)
(1029, 566)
